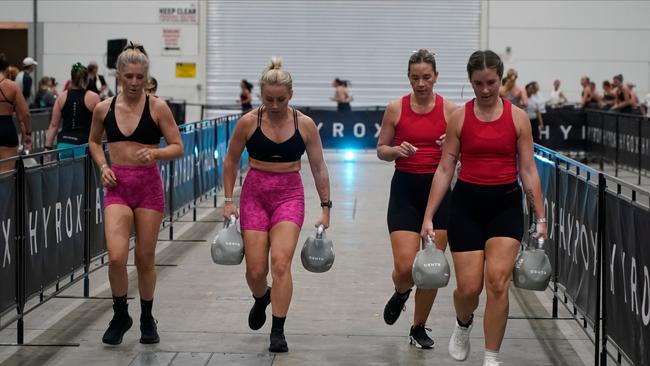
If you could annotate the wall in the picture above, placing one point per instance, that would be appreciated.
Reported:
(568, 39)
(71, 31)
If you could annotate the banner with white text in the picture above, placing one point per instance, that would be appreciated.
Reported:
(8, 242)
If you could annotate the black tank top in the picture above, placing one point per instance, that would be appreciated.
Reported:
(147, 132)
(76, 118)
(262, 148)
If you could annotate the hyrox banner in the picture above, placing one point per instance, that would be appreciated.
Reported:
(577, 240)
(7, 242)
(627, 292)
(564, 128)
(54, 222)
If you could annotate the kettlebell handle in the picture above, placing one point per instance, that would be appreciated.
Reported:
(319, 231)
(232, 221)
(540, 242)
(428, 241)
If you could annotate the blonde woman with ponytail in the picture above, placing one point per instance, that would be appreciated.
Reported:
(272, 205)
(511, 92)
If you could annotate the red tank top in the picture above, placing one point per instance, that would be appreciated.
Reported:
(421, 131)
(488, 150)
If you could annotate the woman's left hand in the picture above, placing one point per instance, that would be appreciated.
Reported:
(541, 230)
(324, 218)
(441, 140)
(146, 155)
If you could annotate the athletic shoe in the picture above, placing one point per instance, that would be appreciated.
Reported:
(419, 337)
(257, 315)
(459, 342)
(278, 343)
(395, 306)
(116, 329)
(149, 331)
(490, 362)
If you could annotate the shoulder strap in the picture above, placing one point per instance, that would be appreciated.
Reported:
(259, 116)
(295, 118)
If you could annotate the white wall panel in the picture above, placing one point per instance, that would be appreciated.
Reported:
(366, 42)
(16, 11)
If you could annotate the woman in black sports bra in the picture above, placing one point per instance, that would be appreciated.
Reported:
(272, 197)
(133, 195)
(12, 100)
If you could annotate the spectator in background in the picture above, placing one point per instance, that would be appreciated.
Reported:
(44, 97)
(342, 95)
(246, 97)
(535, 109)
(11, 72)
(151, 87)
(633, 96)
(557, 98)
(12, 100)
(609, 96)
(645, 107)
(623, 96)
(513, 93)
(97, 83)
(24, 78)
(589, 99)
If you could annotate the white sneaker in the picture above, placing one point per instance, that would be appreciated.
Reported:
(491, 362)
(459, 342)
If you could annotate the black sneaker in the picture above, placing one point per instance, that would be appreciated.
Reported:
(257, 315)
(419, 337)
(395, 306)
(116, 329)
(149, 331)
(278, 343)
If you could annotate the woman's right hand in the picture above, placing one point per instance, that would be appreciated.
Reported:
(427, 229)
(108, 177)
(404, 150)
(230, 209)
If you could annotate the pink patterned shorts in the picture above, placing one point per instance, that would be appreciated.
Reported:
(137, 187)
(269, 198)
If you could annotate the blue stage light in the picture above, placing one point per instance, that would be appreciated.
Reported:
(348, 155)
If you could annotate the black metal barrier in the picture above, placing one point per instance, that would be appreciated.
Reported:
(52, 214)
(597, 232)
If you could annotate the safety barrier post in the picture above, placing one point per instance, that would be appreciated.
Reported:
(601, 277)
(171, 200)
(20, 250)
(88, 169)
(617, 147)
(556, 230)
(638, 147)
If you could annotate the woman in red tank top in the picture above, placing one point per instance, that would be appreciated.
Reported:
(494, 141)
(412, 132)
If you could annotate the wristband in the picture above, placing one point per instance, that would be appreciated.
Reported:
(228, 199)
(541, 220)
(103, 166)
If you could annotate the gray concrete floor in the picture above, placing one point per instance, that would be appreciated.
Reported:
(335, 317)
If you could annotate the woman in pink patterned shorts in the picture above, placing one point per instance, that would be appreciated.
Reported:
(134, 196)
(272, 198)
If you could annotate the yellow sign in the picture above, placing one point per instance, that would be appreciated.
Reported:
(185, 70)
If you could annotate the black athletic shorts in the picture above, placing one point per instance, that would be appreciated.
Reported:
(480, 212)
(8, 132)
(409, 193)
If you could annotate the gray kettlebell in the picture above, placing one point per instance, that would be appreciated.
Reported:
(532, 269)
(430, 267)
(228, 246)
(317, 253)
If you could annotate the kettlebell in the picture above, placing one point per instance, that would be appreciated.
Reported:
(228, 246)
(532, 269)
(430, 267)
(317, 253)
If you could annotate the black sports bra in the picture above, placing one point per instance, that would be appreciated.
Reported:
(5, 100)
(147, 131)
(262, 148)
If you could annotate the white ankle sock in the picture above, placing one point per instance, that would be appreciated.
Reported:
(491, 355)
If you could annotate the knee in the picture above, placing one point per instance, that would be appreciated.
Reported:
(256, 274)
(144, 261)
(280, 266)
(403, 272)
(497, 286)
(117, 261)
(469, 290)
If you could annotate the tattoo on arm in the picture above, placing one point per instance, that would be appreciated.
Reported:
(530, 197)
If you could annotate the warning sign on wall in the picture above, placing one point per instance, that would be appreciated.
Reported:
(186, 14)
(171, 41)
(185, 70)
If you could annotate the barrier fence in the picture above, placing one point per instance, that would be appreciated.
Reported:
(52, 224)
(52, 214)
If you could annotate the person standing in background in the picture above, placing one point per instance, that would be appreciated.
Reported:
(535, 109)
(342, 95)
(511, 92)
(246, 96)
(24, 78)
(97, 83)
